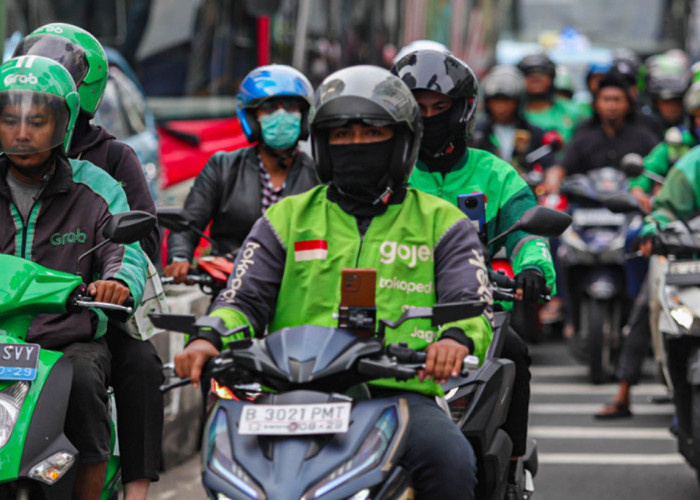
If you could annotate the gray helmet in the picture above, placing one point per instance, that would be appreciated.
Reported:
(374, 96)
(444, 73)
(537, 62)
(666, 86)
(691, 99)
(503, 80)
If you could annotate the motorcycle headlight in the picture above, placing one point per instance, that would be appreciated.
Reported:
(220, 458)
(11, 400)
(368, 456)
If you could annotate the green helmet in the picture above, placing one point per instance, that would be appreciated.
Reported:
(39, 105)
(82, 56)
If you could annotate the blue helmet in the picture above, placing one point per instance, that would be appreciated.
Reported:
(598, 68)
(266, 82)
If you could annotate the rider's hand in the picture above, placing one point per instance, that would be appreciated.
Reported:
(444, 360)
(643, 198)
(529, 285)
(552, 179)
(190, 361)
(178, 271)
(110, 291)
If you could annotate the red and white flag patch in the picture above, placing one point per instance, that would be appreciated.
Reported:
(310, 250)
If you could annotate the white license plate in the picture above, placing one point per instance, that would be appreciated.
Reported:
(597, 217)
(288, 420)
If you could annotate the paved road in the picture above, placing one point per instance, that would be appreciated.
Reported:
(580, 457)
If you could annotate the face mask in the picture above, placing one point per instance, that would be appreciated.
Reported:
(436, 131)
(361, 170)
(281, 129)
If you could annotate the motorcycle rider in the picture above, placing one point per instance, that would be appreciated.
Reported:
(607, 137)
(542, 108)
(44, 195)
(447, 93)
(505, 132)
(366, 133)
(235, 188)
(136, 366)
(677, 142)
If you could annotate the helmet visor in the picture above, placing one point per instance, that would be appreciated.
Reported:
(31, 122)
(71, 56)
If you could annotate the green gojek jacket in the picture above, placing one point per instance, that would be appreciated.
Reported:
(661, 158)
(288, 272)
(563, 116)
(679, 197)
(507, 197)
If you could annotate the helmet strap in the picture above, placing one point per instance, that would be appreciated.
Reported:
(281, 158)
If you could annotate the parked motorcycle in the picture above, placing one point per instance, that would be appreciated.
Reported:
(36, 457)
(592, 258)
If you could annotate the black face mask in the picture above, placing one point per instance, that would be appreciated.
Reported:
(436, 132)
(361, 171)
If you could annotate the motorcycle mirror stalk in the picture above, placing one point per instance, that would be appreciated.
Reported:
(177, 220)
(632, 164)
(123, 228)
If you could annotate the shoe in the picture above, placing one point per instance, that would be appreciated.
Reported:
(512, 492)
(614, 409)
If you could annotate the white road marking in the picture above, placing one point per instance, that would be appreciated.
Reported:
(563, 432)
(592, 408)
(608, 389)
(610, 458)
(559, 371)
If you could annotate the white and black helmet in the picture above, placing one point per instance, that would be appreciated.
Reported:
(371, 95)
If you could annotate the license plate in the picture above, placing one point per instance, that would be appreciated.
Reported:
(597, 217)
(18, 361)
(288, 420)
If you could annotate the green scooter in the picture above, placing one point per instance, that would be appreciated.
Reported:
(36, 459)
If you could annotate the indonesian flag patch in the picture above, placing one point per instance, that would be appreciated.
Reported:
(310, 250)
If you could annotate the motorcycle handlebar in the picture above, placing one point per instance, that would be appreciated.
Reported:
(197, 279)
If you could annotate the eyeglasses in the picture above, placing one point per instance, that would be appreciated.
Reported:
(272, 105)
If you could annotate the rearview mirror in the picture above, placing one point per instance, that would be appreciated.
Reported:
(632, 164)
(128, 227)
(544, 221)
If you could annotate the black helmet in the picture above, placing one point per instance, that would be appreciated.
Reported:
(537, 62)
(444, 73)
(503, 80)
(374, 96)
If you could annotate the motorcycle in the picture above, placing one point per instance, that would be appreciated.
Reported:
(677, 294)
(211, 272)
(592, 258)
(37, 459)
(311, 366)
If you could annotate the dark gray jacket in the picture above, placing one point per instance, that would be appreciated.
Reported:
(227, 192)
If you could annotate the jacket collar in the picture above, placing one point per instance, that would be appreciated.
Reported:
(59, 182)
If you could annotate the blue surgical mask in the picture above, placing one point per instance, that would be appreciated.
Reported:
(281, 129)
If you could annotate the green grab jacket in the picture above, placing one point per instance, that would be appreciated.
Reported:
(562, 116)
(679, 198)
(658, 160)
(288, 272)
(507, 197)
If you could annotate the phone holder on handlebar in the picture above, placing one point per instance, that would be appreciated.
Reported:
(359, 319)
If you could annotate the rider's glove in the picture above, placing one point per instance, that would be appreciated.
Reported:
(532, 283)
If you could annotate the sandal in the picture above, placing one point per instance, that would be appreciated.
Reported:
(614, 409)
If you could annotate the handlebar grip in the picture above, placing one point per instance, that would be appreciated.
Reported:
(405, 354)
(501, 280)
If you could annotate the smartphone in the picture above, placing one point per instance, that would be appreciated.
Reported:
(357, 301)
(358, 287)
(474, 206)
